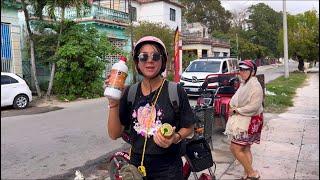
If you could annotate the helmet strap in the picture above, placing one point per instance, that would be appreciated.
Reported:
(249, 76)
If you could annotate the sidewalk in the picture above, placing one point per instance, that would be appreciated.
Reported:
(289, 147)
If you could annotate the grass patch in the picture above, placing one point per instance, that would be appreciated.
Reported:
(284, 90)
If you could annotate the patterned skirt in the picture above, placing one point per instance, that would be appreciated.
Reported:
(254, 132)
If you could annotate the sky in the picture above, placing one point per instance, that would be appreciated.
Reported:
(293, 6)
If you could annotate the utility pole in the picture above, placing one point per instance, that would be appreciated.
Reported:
(237, 46)
(131, 39)
(285, 41)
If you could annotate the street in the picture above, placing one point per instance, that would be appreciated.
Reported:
(57, 142)
(43, 145)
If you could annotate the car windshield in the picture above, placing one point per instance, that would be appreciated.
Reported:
(204, 66)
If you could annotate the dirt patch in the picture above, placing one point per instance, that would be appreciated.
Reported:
(28, 111)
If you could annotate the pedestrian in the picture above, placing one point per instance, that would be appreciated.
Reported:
(150, 110)
(245, 118)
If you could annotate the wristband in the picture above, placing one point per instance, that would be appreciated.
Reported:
(180, 138)
(112, 106)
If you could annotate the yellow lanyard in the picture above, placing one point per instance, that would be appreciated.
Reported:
(141, 168)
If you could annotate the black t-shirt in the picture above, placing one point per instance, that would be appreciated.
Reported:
(137, 114)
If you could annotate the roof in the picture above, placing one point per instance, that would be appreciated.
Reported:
(215, 58)
(173, 2)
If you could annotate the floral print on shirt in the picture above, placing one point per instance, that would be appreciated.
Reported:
(147, 120)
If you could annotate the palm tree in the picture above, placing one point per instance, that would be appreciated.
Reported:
(62, 5)
(31, 41)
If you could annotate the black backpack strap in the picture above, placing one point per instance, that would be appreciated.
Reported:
(126, 135)
(173, 95)
(132, 93)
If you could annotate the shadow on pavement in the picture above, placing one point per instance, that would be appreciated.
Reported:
(9, 111)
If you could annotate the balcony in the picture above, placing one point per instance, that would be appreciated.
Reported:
(91, 13)
(99, 13)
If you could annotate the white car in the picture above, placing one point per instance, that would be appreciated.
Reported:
(197, 71)
(14, 91)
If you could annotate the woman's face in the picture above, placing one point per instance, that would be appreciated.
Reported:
(244, 73)
(150, 65)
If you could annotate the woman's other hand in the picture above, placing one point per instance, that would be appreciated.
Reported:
(162, 141)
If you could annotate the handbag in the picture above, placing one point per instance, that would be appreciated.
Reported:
(237, 125)
(130, 172)
(198, 153)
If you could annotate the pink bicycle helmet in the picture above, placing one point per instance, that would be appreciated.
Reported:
(155, 41)
(248, 64)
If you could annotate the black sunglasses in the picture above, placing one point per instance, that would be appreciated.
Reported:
(143, 57)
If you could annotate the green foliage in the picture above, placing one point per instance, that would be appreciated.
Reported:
(158, 30)
(80, 62)
(210, 13)
(170, 76)
(303, 36)
(186, 58)
(284, 89)
(161, 31)
(248, 50)
(265, 26)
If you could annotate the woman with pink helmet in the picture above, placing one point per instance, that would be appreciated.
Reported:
(151, 109)
(245, 118)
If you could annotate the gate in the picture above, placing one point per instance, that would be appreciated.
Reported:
(6, 50)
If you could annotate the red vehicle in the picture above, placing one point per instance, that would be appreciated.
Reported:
(219, 100)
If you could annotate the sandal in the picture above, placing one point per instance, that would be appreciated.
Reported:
(253, 178)
(244, 178)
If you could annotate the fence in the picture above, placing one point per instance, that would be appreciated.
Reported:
(43, 75)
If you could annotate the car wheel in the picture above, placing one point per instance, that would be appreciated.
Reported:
(21, 101)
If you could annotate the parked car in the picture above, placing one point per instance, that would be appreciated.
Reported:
(14, 91)
(197, 71)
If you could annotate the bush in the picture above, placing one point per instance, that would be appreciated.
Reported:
(80, 63)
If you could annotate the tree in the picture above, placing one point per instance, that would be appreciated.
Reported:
(161, 31)
(32, 47)
(265, 24)
(80, 62)
(62, 5)
(239, 18)
(303, 36)
(209, 13)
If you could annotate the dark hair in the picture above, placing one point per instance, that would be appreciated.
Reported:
(158, 47)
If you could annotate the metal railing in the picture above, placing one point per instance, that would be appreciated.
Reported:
(93, 11)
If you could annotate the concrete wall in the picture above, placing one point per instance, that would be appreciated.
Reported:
(199, 48)
(10, 16)
(221, 50)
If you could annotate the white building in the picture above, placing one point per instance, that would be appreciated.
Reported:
(167, 12)
(11, 60)
(196, 40)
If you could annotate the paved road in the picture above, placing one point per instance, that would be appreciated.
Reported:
(57, 142)
(43, 145)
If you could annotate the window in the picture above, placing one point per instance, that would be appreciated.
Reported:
(7, 80)
(225, 54)
(224, 67)
(204, 53)
(5, 42)
(172, 14)
(204, 66)
(133, 13)
(216, 54)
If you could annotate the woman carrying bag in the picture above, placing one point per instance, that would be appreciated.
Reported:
(245, 118)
